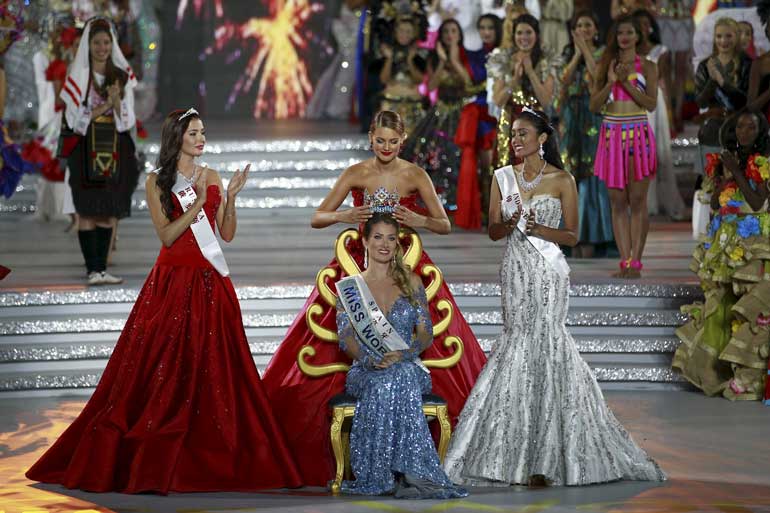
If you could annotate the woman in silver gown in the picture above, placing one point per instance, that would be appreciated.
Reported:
(536, 414)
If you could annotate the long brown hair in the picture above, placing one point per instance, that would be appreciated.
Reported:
(171, 135)
(611, 51)
(400, 273)
(112, 73)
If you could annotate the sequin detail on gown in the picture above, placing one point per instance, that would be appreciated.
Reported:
(391, 449)
(536, 407)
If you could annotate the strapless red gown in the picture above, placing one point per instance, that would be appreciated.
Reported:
(180, 406)
(300, 401)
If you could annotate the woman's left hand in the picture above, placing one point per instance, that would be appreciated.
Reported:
(237, 182)
(389, 359)
(531, 224)
(730, 161)
(411, 219)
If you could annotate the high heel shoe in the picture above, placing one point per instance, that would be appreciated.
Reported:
(634, 271)
(623, 271)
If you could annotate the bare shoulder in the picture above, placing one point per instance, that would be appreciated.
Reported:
(648, 66)
(152, 179)
(355, 172)
(560, 176)
(413, 170)
(212, 175)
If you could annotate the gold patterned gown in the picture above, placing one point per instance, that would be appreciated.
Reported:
(499, 68)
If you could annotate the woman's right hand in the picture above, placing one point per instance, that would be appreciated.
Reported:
(612, 75)
(356, 215)
(201, 185)
(514, 220)
(386, 51)
(441, 52)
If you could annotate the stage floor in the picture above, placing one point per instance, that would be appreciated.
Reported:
(714, 451)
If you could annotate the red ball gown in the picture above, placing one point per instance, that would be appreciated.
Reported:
(299, 397)
(180, 406)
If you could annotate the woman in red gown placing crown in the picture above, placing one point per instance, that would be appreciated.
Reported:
(180, 407)
(308, 368)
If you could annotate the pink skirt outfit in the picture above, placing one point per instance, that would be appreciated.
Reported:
(625, 138)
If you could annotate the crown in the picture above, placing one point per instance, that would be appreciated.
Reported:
(382, 201)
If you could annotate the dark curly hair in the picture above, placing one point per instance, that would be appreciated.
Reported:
(171, 136)
(551, 147)
(729, 141)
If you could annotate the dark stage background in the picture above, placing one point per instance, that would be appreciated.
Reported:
(207, 47)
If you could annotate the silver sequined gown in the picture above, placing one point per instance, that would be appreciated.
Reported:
(536, 407)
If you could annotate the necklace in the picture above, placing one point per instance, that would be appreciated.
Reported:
(528, 186)
(191, 180)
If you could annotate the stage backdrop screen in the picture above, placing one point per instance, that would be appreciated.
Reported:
(237, 59)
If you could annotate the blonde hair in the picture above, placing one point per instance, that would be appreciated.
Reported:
(731, 24)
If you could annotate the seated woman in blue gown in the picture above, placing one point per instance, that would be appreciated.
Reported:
(383, 323)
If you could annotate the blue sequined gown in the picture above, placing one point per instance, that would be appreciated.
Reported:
(391, 449)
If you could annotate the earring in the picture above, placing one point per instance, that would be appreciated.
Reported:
(541, 152)
(371, 146)
(366, 258)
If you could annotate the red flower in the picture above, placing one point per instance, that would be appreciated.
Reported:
(93, 154)
(727, 210)
(57, 70)
(712, 160)
(68, 37)
(752, 171)
(141, 132)
(114, 155)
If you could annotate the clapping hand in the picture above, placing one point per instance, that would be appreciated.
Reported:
(386, 51)
(622, 71)
(612, 75)
(714, 73)
(237, 182)
(526, 63)
(730, 162)
(531, 224)
(514, 220)
(201, 183)
(113, 96)
(441, 52)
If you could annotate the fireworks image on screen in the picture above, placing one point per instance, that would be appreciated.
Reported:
(272, 46)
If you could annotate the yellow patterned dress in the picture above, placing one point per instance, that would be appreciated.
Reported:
(725, 343)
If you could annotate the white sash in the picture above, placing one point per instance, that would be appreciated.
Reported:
(511, 202)
(204, 235)
(373, 328)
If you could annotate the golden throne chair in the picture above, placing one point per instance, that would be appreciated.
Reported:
(343, 406)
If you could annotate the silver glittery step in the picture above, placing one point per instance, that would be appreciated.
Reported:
(88, 377)
(615, 291)
(266, 319)
(60, 347)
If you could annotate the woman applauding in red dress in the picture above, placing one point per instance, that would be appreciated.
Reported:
(309, 369)
(180, 406)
